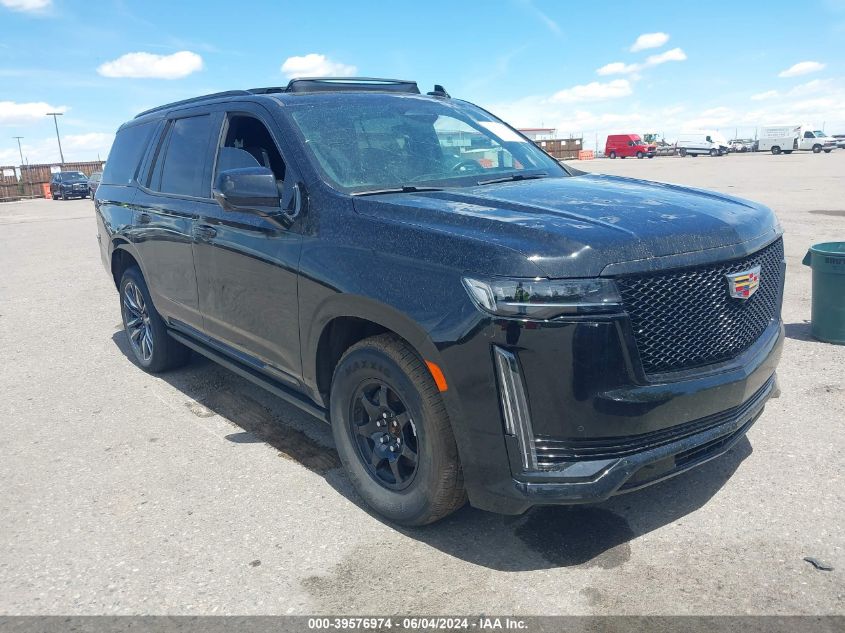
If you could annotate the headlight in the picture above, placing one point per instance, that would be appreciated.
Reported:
(540, 298)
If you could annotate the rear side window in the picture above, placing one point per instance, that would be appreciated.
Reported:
(180, 166)
(126, 152)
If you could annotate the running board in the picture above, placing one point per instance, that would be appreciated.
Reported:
(265, 382)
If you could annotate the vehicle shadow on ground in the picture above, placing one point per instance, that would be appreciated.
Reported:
(543, 538)
(799, 331)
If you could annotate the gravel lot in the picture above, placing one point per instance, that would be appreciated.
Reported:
(197, 493)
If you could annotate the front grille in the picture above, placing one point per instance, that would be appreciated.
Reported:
(685, 318)
(552, 452)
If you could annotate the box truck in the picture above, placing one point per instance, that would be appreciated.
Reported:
(789, 138)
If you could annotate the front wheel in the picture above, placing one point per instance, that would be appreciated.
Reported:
(787, 151)
(714, 151)
(682, 152)
(393, 434)
(152, 347)
(817, 149)
(827, 151)
(775, 150)
(640, 155)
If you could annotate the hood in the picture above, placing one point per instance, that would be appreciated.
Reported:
(575, 226)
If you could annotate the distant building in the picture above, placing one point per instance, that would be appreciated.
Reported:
(538, 133)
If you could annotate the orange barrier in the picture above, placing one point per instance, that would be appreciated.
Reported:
(45, 189)
(586, 154)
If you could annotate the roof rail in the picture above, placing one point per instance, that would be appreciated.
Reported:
(351, 84)
(312, 84)
(227, 93)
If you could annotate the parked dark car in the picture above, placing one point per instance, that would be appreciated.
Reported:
(472, 318)
(65, 185)
(94, 182)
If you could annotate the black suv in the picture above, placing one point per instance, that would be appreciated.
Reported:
(65, 185)
(474, 319)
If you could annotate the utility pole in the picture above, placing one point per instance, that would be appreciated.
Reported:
(56, 123)
(20, 151)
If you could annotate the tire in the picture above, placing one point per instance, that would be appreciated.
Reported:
(714, 152)
(640, 155)
(787, 151)
(155, 351)
(613, 155)
(682, 152)
(827, 151)
(817, 149)
(383, 376)
(775, 150)
(651, 155)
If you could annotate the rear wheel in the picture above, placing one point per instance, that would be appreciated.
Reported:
(787, 151)
(152, 347)
(775, 150)
(613, 154)
(393, 434)
(682, 152)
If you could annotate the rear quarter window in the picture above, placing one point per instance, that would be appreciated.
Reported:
(126, 153)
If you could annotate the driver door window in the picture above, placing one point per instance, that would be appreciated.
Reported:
(248, 143)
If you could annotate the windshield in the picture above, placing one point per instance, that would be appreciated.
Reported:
(373, 142)
(71, 176)
(819, 134)
(638, 142)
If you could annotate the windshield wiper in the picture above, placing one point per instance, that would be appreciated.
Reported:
(513, 178)
(405, 189)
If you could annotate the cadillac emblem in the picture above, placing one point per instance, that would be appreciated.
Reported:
(744, 284)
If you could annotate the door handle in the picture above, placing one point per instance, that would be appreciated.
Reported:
(205, 232)
(144, 218)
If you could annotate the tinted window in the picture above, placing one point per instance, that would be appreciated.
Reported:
(126, 152)
(180, 166)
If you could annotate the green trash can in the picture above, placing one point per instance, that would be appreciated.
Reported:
(828, 312)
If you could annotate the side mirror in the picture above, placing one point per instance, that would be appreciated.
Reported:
(254, 190)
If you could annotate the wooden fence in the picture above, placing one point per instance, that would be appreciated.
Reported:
(561, 148)
(32, 177)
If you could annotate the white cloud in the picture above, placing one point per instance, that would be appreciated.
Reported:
(27, 6)
(151, 66)
(649, 40)
(801, 68)
(593, 91)
(12, 113)
(618, 68)
(672, 55)
(553, 26)
(316, 65)
(76, 147)
(621, 68)
(762, 96)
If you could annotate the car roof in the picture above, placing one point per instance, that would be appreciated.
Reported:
(323, 87)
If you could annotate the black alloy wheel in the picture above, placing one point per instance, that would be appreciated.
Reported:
(136, 317)
(384, 434)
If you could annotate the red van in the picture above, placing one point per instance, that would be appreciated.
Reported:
(624, 145)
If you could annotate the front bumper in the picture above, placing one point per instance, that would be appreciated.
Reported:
(599, 426)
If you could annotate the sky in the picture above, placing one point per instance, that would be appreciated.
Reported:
(584, 68)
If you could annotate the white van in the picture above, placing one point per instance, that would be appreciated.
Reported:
(788, 138)
(702, 142)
